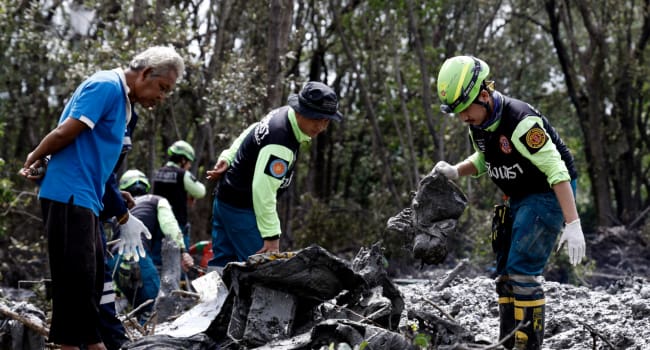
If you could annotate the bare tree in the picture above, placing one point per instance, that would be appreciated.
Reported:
(601, 54)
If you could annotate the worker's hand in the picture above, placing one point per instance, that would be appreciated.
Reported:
(186, 261)
(217, 170)
(34, 169)
(446, 169)
(575, 241)
(270, 246)
(130, 241)
(128, 198)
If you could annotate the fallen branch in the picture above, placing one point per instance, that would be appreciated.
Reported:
(184, 293)
(140, 307)
(24, 320)
(451, 275)
(151, 323)
(520, 325)
(440, 309)
(32, 282)
(134, 323)
(464, 346)
(638, 218)
(345, 308)
(132, 320)
(434, 319)
(595, 334)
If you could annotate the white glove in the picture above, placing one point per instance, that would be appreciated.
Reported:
(130, 241)
(446, 169)
(572, 235)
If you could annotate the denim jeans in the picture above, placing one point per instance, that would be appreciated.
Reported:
(537, 222)
(235, 235)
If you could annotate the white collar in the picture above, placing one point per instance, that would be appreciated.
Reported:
(120, 73)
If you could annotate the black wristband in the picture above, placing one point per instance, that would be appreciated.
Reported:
(271, 238)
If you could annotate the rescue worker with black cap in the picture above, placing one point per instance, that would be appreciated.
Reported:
(516, 146)
(257, 168)
(175, 182)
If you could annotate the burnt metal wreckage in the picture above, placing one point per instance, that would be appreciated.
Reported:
(311, 299)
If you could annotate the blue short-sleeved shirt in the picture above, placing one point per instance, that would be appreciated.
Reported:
(82, 168)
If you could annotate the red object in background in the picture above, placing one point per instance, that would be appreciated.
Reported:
(202, 251)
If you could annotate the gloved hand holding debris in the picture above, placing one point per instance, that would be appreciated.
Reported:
(130, 241)
(446, 169)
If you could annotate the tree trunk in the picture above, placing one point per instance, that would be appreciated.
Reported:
(407, 145)
(379, 143)
(425, 79)
(602, 77)
(280, 13)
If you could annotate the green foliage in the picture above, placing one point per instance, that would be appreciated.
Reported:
(338, 225)
(46, 54)
(422, 340)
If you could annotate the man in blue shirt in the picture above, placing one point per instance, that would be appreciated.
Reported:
(84, 149)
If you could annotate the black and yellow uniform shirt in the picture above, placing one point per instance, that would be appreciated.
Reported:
(261, 162)
(521, 152)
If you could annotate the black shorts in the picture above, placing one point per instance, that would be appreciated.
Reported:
(77, 268)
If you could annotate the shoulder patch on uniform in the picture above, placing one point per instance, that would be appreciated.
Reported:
(534, 139)
(276, 167)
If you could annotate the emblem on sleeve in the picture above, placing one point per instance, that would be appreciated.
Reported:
(276, 167)
(534, 139)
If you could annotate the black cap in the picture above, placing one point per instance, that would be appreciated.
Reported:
(316, 101)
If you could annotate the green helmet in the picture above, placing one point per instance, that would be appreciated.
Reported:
(134, 179)
(459, 82)
(181, 148)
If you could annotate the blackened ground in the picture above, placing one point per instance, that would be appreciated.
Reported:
(610, 308)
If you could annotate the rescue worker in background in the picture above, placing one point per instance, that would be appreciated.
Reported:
(139, 280)
(257, 168)
(175, 182)
(516, 146)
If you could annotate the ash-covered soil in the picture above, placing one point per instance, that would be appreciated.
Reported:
(611, 311)
(613, 317)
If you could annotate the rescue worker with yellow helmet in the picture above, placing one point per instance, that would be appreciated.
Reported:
(516, 146)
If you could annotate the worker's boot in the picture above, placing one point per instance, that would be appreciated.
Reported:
(506, 312)
(506, 322)
(529, 337)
